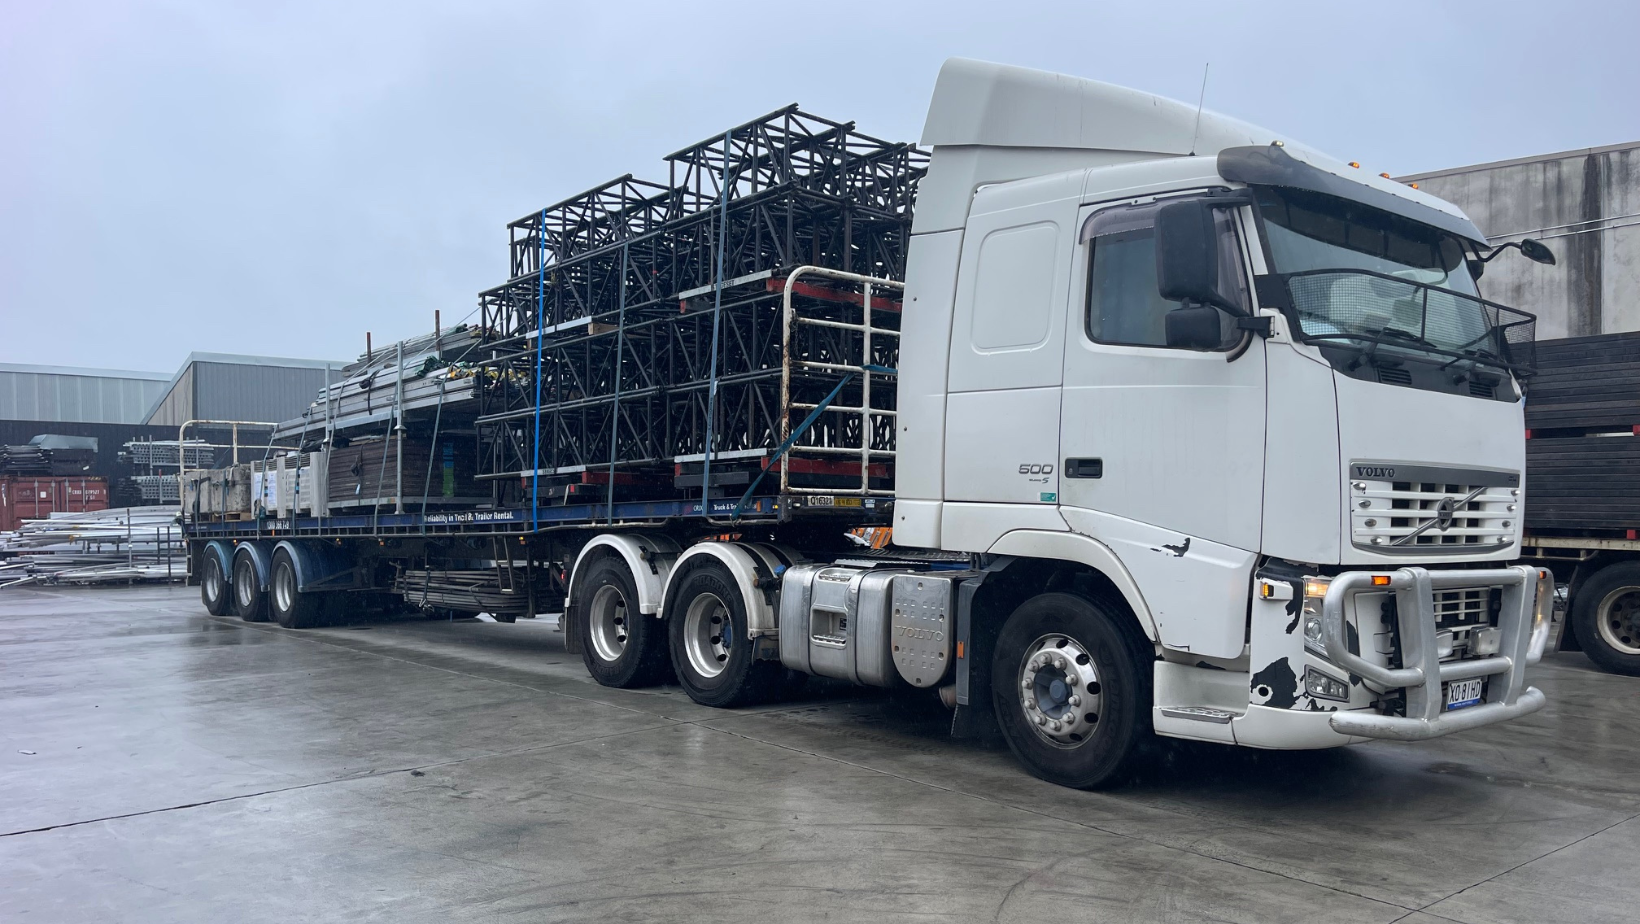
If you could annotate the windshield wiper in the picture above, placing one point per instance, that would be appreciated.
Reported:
(1407, 335)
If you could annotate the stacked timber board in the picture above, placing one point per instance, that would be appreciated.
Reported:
(365, 473)
(1583, 423)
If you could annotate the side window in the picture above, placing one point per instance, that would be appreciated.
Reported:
(1123, 305)
(1013, 291)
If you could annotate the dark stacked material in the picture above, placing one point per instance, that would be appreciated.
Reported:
(35, 460)
(365, 473)
(1583, 417)
(616, 285)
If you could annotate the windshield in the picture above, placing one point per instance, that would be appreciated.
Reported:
(1345, 251)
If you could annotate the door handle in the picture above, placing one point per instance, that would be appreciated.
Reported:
(1084, 468)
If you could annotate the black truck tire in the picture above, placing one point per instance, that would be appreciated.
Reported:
(712, 652)
(292, 608)
(620, 646)
(1071, 686)
(249, 602)
(1606, 617)
(214, 590)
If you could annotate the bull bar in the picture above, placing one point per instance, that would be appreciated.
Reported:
(1422, 672)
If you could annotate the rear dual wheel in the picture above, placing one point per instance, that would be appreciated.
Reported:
(249, 602)
(292, 608)
(620, 646)
(712, 650)
(213, 586)
(1606, 616)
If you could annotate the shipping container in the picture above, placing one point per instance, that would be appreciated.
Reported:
(35, 498)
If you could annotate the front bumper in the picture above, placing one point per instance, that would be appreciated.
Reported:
(1422, 672)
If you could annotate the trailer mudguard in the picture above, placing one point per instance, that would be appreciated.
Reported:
(757, 567)
(319, 566)
(222, 550)
(649, 556)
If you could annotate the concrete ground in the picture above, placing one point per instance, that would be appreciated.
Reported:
(157, 764)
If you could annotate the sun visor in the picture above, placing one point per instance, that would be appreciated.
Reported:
(1268, 165)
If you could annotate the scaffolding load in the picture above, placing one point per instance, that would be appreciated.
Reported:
(646, 325)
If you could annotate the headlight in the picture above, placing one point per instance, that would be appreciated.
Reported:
(1315, 590)
(1542, 616)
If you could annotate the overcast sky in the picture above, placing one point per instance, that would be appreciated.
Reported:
(280, 177)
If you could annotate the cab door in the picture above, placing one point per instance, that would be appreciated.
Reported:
(1163, 447)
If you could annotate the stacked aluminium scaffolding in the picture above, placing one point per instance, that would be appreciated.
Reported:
(646, 324)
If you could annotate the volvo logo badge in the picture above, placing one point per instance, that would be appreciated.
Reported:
(1443, 513)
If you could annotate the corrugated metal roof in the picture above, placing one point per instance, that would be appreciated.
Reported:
(87, 373)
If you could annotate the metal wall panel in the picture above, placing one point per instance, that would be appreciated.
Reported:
(35, 394)
(238, 391)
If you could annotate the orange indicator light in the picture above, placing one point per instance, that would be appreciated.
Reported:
(1380, 580)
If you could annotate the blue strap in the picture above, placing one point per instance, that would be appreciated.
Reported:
(802, 428)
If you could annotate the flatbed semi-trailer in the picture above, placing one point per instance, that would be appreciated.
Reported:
(1180, 428)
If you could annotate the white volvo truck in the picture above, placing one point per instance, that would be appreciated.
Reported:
(1200, 434)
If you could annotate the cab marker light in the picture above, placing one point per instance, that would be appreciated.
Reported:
(1355, 164)
(1380, 580)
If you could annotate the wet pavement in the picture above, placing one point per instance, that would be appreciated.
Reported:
(157, 764)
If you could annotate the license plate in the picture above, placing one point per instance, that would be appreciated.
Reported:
(1461, 693)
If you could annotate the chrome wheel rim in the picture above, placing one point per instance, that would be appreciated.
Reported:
(1618, 618)
(213, 582)
(1059, 690)
(284, 589)
(707, 635)
(608, 621)
(244, 584)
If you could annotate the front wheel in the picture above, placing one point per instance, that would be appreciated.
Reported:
(1071, 684)
(1606, 616)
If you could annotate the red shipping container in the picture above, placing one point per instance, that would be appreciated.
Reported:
(29, 497)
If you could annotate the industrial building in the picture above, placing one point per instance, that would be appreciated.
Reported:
(116, 406)
(226, 386)
(75, 395)
(1585, 206)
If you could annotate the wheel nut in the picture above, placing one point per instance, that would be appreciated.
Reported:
(1057, 727)
(1041, 720)
(1025, 684)
(1073, 680)
(1076, 701)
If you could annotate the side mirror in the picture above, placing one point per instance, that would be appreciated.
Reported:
(1187, 255)
(1194, 328)
(1536, 252)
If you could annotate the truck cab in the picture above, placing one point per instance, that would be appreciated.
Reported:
(1247, 392)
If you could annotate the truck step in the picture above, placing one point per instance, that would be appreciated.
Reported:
(1199, 714)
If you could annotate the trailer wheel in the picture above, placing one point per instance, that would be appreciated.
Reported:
(249, 602)
(619, 646)
(292, 608)
(1606, 617)
(1071, 684)
(712, 652)
(213, 586)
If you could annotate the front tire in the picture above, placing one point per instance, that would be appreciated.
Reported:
(1606, 617)
(712, 650)
(292, 608)
(214, 591)
(620, 646)
(1071, 685)
(249, 602)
